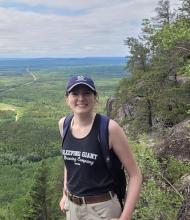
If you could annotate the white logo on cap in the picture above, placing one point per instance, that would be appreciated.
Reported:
(80, 78)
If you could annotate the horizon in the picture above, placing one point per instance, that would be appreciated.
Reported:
(22, 65)
(87, 57)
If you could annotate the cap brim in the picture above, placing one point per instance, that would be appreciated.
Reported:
(81, 83)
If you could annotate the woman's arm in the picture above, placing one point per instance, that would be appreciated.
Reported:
(63, 199)
(119, 143)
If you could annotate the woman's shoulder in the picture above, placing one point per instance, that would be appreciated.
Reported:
(60, 124)
(113, 125)
(61, 120)
(115, 130)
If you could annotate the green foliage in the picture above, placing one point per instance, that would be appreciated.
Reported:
(158, 99)
(154, 90)
(174, 169)
(55, 187)
(15, 181)
(7, 115)
(185, 70)
(21, 185)
(18, 207)
(158, 198)
(38, 196)
(155, 203)
(172, 34)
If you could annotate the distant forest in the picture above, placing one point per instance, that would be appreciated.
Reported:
(18, 65)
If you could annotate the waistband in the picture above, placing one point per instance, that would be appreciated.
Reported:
(90, 199)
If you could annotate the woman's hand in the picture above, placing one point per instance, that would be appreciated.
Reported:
(62, 203)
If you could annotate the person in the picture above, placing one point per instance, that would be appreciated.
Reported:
(88, 186)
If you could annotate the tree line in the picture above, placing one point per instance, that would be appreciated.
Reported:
(158, 87)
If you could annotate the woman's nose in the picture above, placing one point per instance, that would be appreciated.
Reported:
(80, 96)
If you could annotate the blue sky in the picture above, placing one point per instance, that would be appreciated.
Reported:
(68, 28)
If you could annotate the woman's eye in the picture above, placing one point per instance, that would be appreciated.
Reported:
(75, 93)
(87, 93)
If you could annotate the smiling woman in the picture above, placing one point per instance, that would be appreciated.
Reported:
(88, 185)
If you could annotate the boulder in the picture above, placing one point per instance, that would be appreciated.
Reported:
(177, 142)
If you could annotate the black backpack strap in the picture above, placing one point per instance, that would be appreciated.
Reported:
(112, 162)
(104, 140)
(66, 126)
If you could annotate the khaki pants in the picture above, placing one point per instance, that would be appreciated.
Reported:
(96, 211)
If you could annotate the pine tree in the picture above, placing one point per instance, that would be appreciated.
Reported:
(164, 14)
(38, 199)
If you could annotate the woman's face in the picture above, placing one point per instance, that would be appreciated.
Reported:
(81, 100)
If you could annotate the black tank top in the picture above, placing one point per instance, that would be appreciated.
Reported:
(87, 173)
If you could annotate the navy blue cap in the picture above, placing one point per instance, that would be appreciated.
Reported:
(80, 80)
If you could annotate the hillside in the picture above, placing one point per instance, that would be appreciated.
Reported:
(31, 103)
(154, 102)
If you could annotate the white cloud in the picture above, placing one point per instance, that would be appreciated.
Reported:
(99, 31)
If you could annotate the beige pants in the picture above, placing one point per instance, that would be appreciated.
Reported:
(96, 211)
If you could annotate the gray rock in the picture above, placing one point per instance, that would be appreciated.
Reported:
(177, 142)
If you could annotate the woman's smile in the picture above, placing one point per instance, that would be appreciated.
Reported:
(81, 105)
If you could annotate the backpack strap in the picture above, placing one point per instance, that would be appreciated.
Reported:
(104, 139)
(113, 164)
(66, 125)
